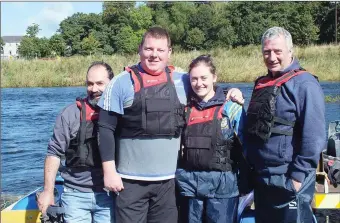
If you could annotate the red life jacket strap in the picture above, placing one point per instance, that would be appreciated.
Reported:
(88, 113)
(268, 81)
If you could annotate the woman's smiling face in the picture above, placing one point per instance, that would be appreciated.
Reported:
(202, 81)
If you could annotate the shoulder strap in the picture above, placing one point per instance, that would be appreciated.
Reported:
(142, 93)
(215, 125)
(286, 77)
(267, 81)
(134, 68)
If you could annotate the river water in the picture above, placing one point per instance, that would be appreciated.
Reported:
(27, 120)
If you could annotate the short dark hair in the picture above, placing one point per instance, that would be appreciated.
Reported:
(158, 33)
(203, 59)
(103, 64)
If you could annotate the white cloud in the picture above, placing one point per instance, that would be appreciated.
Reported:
(56, 12)
(50, 17)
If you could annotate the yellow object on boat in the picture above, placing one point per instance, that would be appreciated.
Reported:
(20, 216)
(327, 201)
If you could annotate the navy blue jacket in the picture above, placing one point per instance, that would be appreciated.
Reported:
(301, 100)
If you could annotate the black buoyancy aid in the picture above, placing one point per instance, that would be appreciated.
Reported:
(205, 148)
(156, 109)
(261, 119)
(83, 149)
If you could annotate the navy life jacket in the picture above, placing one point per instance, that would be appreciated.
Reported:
(83, 149)
(205, 147)
(261, 119)
(156, 109)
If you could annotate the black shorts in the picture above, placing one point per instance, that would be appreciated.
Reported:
(147, 201)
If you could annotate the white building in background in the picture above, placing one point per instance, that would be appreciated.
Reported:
(11, 46)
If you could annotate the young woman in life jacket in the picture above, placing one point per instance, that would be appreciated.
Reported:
(210, 169)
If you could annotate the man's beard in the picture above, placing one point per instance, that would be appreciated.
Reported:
(93, 100)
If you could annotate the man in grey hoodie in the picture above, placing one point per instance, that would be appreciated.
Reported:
(75, 137)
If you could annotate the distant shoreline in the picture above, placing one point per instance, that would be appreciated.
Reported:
(241, 64)
(337, 81)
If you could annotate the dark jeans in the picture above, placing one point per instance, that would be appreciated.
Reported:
(277, 201)
(208, 210)
(147, 201)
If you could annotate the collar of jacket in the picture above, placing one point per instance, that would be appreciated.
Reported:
(293, 65)
(217, 99)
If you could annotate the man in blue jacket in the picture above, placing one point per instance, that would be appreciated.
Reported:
(285, 133)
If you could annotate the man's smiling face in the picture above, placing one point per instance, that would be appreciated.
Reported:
(276, 54)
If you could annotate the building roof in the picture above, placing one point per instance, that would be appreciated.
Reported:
(12, 39)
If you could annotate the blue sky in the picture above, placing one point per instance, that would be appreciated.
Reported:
(17, 16)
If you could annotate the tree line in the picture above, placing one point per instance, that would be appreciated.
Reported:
(192, 26)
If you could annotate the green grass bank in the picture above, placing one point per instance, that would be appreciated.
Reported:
(242, 64)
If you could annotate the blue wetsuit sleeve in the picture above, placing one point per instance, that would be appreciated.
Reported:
(237, 116)
(238, 123)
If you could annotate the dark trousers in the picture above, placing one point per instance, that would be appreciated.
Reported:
(147, 201)
(208, 210)
(277, 201)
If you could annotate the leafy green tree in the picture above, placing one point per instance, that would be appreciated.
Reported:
(115, 14)
(301, 23)
(180, 14)
(251, 19)
(203, 18)
(120, 18)
(120, 26)
(89, 45)
(140, 18)
(161, 18)
(158, 6)
(195, 39)
(44, 47)
(221, 32)
(105, 39)
(32, 30)
(127, 40)
(324, 15)
(2, 44)
(222, 35)
(29, 47)
(57, 45)
(77, 27)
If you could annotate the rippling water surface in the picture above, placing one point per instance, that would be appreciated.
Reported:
(27, 119)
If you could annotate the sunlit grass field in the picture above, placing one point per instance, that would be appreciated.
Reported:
(242, 64)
